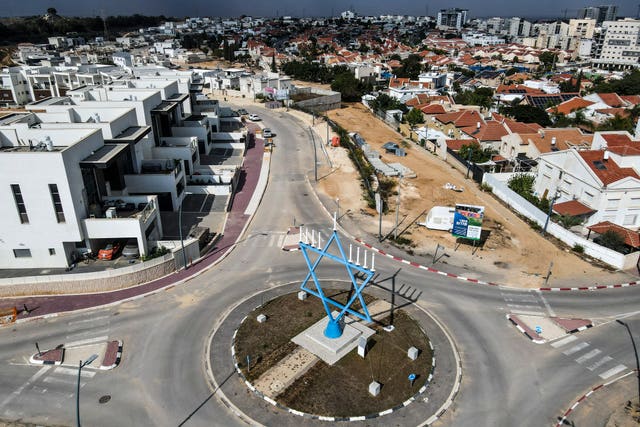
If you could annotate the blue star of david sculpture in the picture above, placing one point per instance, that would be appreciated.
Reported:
(334, 325)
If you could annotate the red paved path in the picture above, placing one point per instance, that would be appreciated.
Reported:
(236, 220)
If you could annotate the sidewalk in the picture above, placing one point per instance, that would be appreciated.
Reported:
(236, 221)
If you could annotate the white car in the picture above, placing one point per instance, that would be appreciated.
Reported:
(266, 133)
(254, 117)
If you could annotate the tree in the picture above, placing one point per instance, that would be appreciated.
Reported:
(414, 117)
(52, 11)
(547, 59)
(474, 152)
(347, 85)
(617, 123)
(482, 96)
(411, 67)
(613, 240)
(522, 183)
(528, 114)
(628, 85)
(384, 103)
(568, 221)
(274, 68)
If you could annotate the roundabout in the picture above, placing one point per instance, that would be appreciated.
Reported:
(257, 370)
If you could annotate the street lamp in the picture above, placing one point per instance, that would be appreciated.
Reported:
(555, 197)
(338, 209)
(635, 350)
(80, 366)
(184, 254)
(395, 231)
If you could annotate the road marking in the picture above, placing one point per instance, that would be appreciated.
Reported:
(593, 353)
(281, 240)
(74, 372)
(87, 341)
(528, 313)
(77, 322)
(612, 371)
(576, 348)
(61, 380)
(17, 392)
(564, 341)
(599, 363)
(523, 298)
(546, 304)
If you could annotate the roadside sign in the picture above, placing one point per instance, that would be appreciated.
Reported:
(467, 222)
(378, 204)
(538, 330)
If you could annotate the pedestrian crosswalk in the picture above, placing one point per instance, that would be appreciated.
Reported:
(270, 239)
(592, 359)
(527, 302)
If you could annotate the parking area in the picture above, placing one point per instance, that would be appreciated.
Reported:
(198, 210)
(222, 156)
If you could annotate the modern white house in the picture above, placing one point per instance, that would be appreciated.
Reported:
(63, 194)
(605, 180)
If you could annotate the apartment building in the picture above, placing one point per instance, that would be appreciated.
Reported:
(619, 45)
(599, 13)
(452, 18)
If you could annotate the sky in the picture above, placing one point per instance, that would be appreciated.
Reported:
(177, 8)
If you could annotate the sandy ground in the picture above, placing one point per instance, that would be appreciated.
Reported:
(513, 254)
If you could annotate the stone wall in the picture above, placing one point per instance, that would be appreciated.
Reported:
(88, 282)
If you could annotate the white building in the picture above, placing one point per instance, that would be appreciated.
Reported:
(453, 18)
(620, 45)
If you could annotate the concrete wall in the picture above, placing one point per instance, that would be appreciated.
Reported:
(89, 282)
(517, 203)
(327, 101)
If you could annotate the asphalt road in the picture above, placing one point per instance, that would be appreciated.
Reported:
(507, 380)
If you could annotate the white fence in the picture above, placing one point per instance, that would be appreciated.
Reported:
(516, 202)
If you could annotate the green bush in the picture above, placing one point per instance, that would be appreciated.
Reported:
(578, 248)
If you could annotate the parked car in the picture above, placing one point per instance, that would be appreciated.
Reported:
(131, 250)
(390, 147)
(254, 117)
(242, 112)
(110, 251)
(266, 133)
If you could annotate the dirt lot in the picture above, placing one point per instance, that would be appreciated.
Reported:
(513, 253)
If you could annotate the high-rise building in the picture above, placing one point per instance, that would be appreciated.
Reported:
(454, 17)
(618, 45)
(599, 13)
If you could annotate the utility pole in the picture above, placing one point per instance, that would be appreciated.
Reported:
(395, 231)
(315, 155)
(635, 350)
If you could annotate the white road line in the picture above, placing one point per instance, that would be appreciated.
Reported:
(576, 348)
(593, 353)
(523, 298)
(611, 372)
(564, 341)
(599, 363)
(281, 240)
(546, 304)
(528, 313)
(17, 392)
(86, 341)
(273, 241)
(61, 380)
(78, 335)
(526, 306)
(77, 322)
(74, 372)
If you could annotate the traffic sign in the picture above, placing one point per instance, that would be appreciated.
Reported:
(538, 330)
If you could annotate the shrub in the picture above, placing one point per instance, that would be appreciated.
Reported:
(486, 187)
(578, 248)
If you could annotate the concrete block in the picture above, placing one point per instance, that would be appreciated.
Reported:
(374, 388)
(362, 346)
(261, 318)
(302, 295)
(412, 353)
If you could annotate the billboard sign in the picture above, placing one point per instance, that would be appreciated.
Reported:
(467, 222)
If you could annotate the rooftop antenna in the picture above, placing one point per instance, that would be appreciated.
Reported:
(104, 23)
(564, 11)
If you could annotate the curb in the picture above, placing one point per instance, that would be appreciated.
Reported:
(580, 329)
(336, 419)
(46, 362)
(561, 420)
(535, 338)
(482, 282)
(118, 358)
(291, 248)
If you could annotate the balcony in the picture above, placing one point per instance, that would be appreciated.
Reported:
(161, 167)
(124, 217)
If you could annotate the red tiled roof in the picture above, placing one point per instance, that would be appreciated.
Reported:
(572, 208)
(398, 81)
(567, 107)
(622, 112)
(461, 119)
(608, 172)
(631, 238)
(631, 99)
(611, 99)
(456, 144)
(621, 144)
(519, 127)
(489, 131)
(433, 109)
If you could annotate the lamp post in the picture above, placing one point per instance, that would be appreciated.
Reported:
(635, 350)
(80, 366)
(395, 231)
(337, 209)
(551, 203)
(184, 254)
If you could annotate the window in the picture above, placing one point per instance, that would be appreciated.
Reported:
(52, 251)
(22, 210)
(630, 219)
(612, 203)
(22, 253)
(57, 203)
